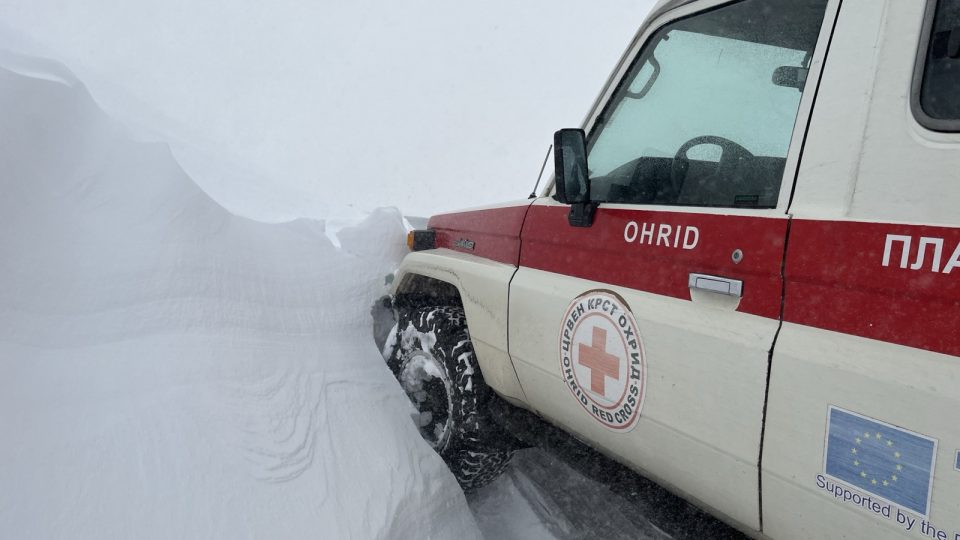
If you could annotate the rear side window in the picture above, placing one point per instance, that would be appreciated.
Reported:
(936, 91)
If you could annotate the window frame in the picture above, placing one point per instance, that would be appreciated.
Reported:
(940, 125)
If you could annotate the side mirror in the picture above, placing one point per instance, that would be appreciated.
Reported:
(946, 44)
(791, 77)
(573, 180)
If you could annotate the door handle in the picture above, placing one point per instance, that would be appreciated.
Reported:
(715, 284)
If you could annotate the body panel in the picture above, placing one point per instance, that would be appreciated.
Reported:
(814, 369)
(869, 327)
(492, 232)
(705, 448)
(851, 277)
(707, 354)
(649, 249)
(484, 292)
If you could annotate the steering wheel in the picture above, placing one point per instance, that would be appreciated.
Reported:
(730, 159)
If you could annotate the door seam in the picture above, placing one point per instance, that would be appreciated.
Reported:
(783, 265)
(513, 364)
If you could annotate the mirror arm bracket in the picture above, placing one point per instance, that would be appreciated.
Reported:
(582, 214)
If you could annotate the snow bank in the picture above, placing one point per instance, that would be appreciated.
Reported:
(171, 370)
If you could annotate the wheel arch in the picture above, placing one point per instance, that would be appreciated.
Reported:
(481, 287)
(417, 289)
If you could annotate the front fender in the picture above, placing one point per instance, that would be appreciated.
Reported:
(483, 286)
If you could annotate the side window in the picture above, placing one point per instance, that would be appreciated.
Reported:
(937, 82)
(706, 113)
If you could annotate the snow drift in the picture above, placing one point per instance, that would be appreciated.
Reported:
(171, 370)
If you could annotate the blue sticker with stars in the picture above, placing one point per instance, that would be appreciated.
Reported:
(890, 462)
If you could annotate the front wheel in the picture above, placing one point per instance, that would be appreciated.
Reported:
(432, 357)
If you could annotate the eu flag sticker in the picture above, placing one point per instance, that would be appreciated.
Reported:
(891, 463)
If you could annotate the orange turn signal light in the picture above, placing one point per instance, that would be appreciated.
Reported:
(421, 240)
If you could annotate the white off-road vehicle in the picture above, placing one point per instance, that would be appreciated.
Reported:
(743, 282)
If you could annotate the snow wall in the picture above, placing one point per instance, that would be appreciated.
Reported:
(171, 370)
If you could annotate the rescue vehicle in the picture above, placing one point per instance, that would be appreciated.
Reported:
(743, 281)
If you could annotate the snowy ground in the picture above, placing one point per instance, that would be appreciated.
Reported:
(560, 489)
(542, 497)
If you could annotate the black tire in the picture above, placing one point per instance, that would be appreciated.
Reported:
(432, 357)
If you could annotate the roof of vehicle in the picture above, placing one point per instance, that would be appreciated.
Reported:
(663, 6)
(792, 32)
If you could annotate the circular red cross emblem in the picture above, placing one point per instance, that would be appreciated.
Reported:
(602, 360)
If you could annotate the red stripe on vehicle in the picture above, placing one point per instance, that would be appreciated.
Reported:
(494, 233)
(601, 253)
(836, 280)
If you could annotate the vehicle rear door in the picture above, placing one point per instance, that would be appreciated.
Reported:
(649, 332)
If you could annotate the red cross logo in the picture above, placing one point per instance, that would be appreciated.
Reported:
(601, 363)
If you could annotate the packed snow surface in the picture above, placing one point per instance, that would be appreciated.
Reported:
(542, 498)
(171, 370)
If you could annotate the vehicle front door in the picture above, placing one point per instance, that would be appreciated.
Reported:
(649, 332)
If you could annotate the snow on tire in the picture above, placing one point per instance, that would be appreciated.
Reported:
(430, 353)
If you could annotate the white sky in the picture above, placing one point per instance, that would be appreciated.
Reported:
(330, 109)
